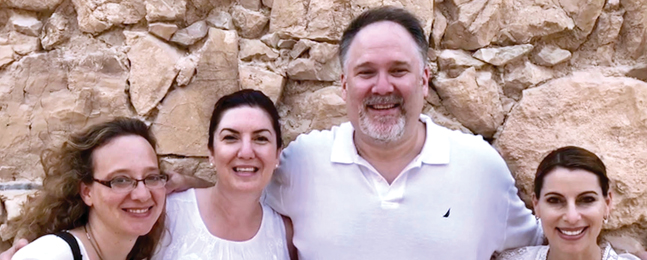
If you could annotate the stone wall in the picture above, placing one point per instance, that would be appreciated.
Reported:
(528, 75)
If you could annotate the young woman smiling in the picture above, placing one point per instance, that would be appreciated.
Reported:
(572, 199)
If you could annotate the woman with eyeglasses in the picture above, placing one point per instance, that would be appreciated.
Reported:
(103, 197)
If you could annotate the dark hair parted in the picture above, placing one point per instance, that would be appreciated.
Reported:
(245, 97)
(380, 14)
(572, 158)
(58, 206)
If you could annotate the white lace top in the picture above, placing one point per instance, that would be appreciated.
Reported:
(540, 253)
(191, 240)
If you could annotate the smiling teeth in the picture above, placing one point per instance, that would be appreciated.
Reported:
(572, 233)
(138, 211)
(244, 169)
(383, 106)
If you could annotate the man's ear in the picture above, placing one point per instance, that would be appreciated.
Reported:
(425, 81)
(86, 194)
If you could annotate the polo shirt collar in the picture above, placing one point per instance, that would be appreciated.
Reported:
(436, 149)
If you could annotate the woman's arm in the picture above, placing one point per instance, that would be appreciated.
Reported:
(7, 255)
(289, 233)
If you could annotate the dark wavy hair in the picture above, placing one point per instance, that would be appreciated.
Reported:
(58, 206)
(572, 158)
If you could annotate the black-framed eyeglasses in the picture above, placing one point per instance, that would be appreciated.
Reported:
(125, 184)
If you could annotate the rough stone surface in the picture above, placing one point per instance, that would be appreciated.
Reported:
(518, 77)
(199, 167)
(220, 19)
(256, 49)
(476, 23)
(322, 64)
(474, 99)
(300, 47)
(191, 34)
(253, 77)
(250, 23)
(254, 5)
(183, 120)
(6, 55)
(268, 3)
(162, 30)
(454, 62)
(551, 55)
(607, 115)
(530, 19)
(26, 23)
(502, 55)
(152, 70)
(271, 39)
(55, 31)
(23, 44)
(39, 5)
(165, 10)
(95, 16)
(187, 68)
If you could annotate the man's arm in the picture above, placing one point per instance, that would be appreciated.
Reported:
(180, 182)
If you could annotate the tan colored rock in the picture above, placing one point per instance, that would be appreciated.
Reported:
(254, 5)
(95, 16)
(286, 43)
(182, 123)
(500, 56)
(551, 55)
(329, 107)
(271, 39)
(527, 20)
(606, 115)
(268, 3)
(55, 31)
(312, 19)
(520, 76)
(473, 98)
(23, 44)
(250, 23)
(191, 34)
(152, 70)
(438, 29)
(476, 24)
(300, 47)
(256, 49)
(33, 5)
(186, 67)
(6, 55)
(323, 64)
(633, 40)
(454, 62)
(608, 28)
(220, 19)
(584, 13)
(26, 23)
(162, 30)
(199, 167)
(165, 10)
(254, 77)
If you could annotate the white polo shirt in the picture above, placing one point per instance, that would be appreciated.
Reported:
(456, 200)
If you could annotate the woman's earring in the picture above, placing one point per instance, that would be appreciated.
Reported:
(606, 219)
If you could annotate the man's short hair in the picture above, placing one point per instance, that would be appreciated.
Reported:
(380, 14)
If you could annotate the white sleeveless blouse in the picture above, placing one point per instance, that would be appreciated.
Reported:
(191, 240)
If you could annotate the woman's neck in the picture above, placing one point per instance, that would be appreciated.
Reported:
(592, 252)
(228, 214)
(108, 244)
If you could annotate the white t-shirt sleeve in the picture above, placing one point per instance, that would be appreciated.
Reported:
(48, 247)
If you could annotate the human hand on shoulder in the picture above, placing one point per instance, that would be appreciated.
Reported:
(7, 255)
(178, 182)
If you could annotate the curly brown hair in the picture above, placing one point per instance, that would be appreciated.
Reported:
(58, 206)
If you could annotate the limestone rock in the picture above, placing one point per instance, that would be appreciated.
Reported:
(286, 43)
(186, 67)
(330, 107)
(271, 39)
(454, 62)
(182, 123)
(221, 20)
(476, 24)
(633, 41)
(300, 47)
(322, 64)
(165, 10)
(162, 30)
(254, 5)
(253, 77)
(192, 34)
(550, 55)
(639, 72)
(251, 23)
(95, 16)
(473, 98)
(152, 70)
(438, 30)
(527, 20)
(268, 3)
(23, 44)
(26, 23)
(33, 5)
(325, 20)
(502, 55)
(584, 13)
(256, 49)
(606, 115)
(6, 55)
(608, 28)
(518, 77)
(55, 31)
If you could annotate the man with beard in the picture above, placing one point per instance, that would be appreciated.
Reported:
(390, 184)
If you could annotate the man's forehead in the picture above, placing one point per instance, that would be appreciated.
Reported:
(385, 34)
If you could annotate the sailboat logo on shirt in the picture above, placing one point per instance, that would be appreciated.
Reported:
(447, 214)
